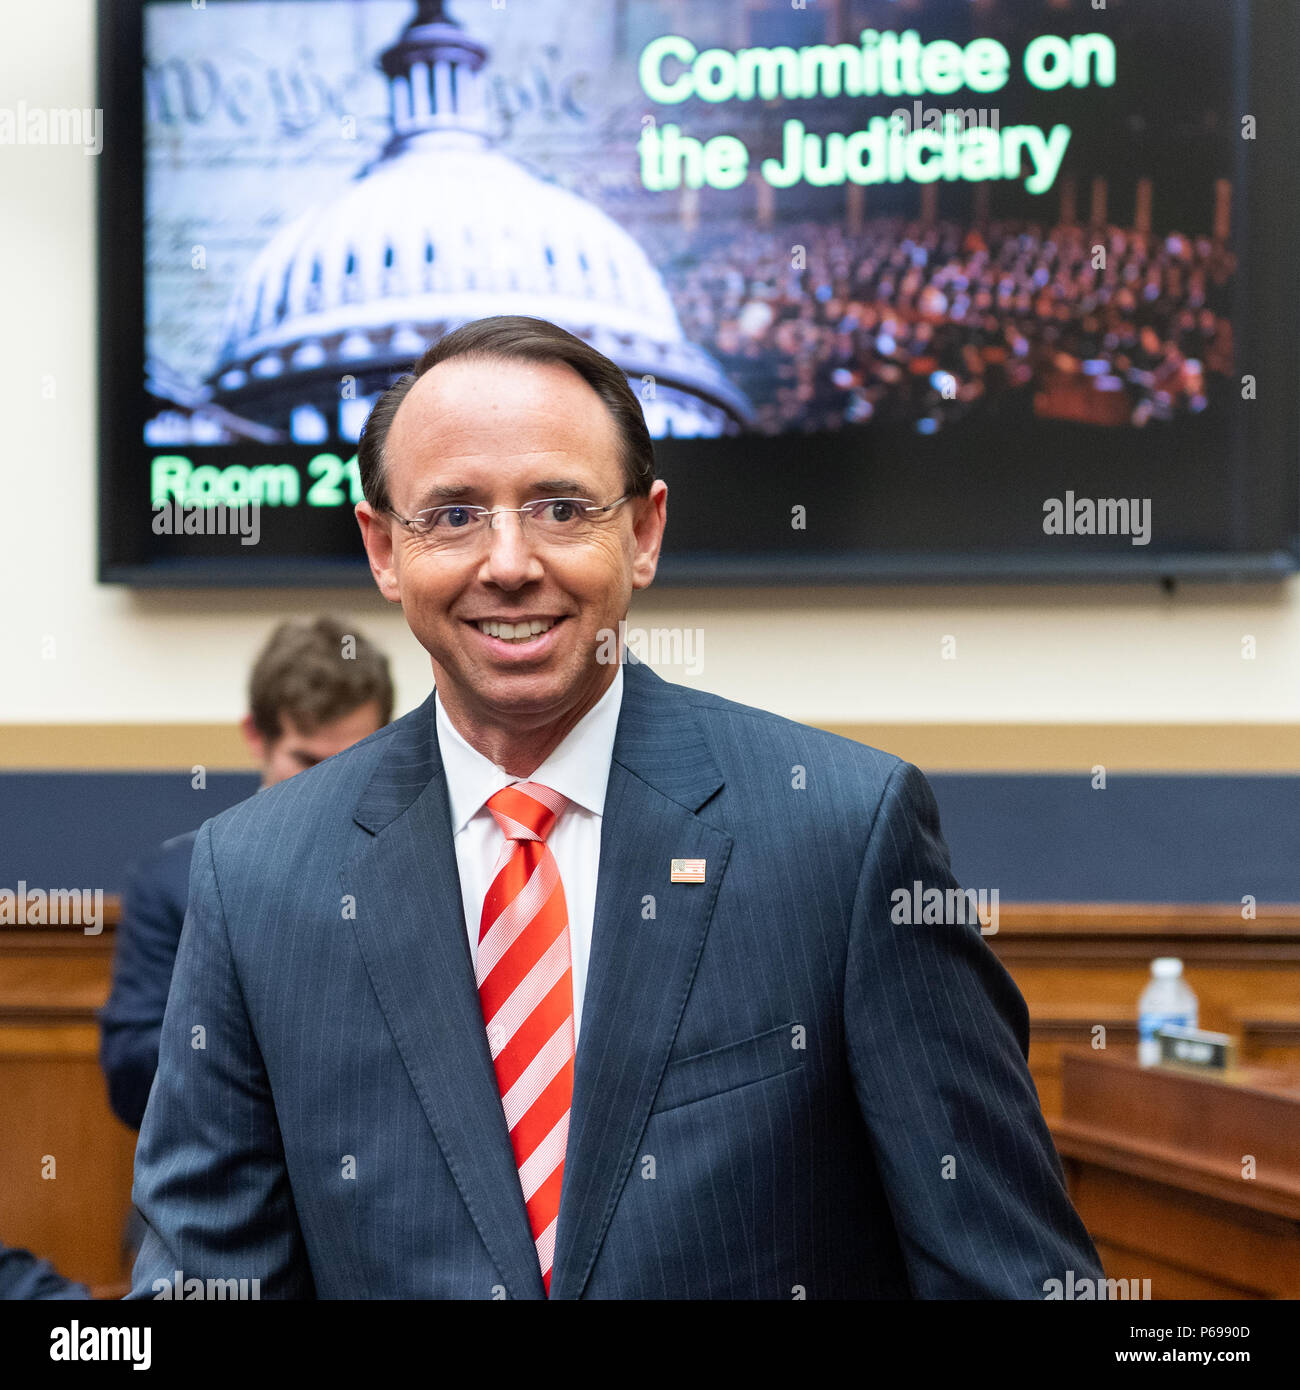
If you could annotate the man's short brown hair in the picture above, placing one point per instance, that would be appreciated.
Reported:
(515, 338)
(315, 670)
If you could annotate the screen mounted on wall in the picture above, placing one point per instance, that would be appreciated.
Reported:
(954, 288)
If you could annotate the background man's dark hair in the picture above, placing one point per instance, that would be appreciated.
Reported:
(514, 338)
(303, 672)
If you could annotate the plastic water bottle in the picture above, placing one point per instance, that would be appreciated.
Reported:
(1167, 999)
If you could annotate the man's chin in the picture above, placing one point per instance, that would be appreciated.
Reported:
(526, 688)
(527, 692)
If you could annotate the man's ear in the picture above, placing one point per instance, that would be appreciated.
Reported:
(377, 536)
(650, 519)
(255, 741)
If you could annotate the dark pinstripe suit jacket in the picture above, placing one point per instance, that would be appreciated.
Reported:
(778, 1091)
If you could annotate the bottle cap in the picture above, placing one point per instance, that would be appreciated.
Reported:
(1166, 967)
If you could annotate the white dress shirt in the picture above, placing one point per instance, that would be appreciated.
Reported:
(578, 769)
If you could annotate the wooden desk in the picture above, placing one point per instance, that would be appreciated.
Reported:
(1191, 1180)
(1082, 966)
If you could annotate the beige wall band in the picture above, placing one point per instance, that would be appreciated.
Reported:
(1055, 748)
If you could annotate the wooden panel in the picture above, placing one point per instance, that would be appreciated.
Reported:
(1281, 921)
(1157, 1120)
(1153, 1163)
(1257, 1255)
(54, 1111)
(1269, 1032)
(1167, 1281)
(1048, 1040)
(54, 1106)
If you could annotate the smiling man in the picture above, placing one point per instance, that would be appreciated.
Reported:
(574, 982)
(511, 608)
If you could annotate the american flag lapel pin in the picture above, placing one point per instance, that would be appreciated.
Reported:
(686, 871)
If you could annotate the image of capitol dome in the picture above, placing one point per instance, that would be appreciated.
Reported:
(441, 229)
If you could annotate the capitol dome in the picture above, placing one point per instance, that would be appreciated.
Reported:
(441, 229)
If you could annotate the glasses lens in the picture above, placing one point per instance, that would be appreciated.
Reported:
(551, 520)
(449, 526)
(560, 518)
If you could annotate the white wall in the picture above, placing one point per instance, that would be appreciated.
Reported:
(826, 655)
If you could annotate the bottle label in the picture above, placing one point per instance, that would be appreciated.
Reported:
(1148, 1023)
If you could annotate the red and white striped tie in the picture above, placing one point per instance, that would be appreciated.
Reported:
(525, 985)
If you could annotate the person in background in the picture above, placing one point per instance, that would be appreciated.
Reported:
(24, 1276)
(316, 689)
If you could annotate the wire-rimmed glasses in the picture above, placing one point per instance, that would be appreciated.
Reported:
(551, 520)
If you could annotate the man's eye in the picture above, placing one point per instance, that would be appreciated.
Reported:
(453, 517)
(561, 511)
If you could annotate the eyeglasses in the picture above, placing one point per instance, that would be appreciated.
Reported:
(551, 520)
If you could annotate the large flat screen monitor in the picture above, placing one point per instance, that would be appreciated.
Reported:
(948, 289)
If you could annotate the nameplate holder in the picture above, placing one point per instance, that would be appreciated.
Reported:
(1194, 1048)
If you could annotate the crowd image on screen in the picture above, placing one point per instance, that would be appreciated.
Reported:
(927, 324)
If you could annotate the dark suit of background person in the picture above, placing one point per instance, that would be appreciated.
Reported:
(300, 652)
(24, 1276)
(775, 1167)
(153, 912)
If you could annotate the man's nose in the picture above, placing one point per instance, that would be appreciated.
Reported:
(510, 555)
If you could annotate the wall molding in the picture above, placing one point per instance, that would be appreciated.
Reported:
(123, 748)
(936, 748)
(1076, 748)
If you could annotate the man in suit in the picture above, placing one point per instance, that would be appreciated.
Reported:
(574, 982)
(315, 689)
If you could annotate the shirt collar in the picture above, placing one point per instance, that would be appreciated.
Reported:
(578, 768)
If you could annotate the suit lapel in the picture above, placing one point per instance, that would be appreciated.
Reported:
(410, 928)
(641, 966)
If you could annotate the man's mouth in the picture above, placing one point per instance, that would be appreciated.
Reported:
(516, 631)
